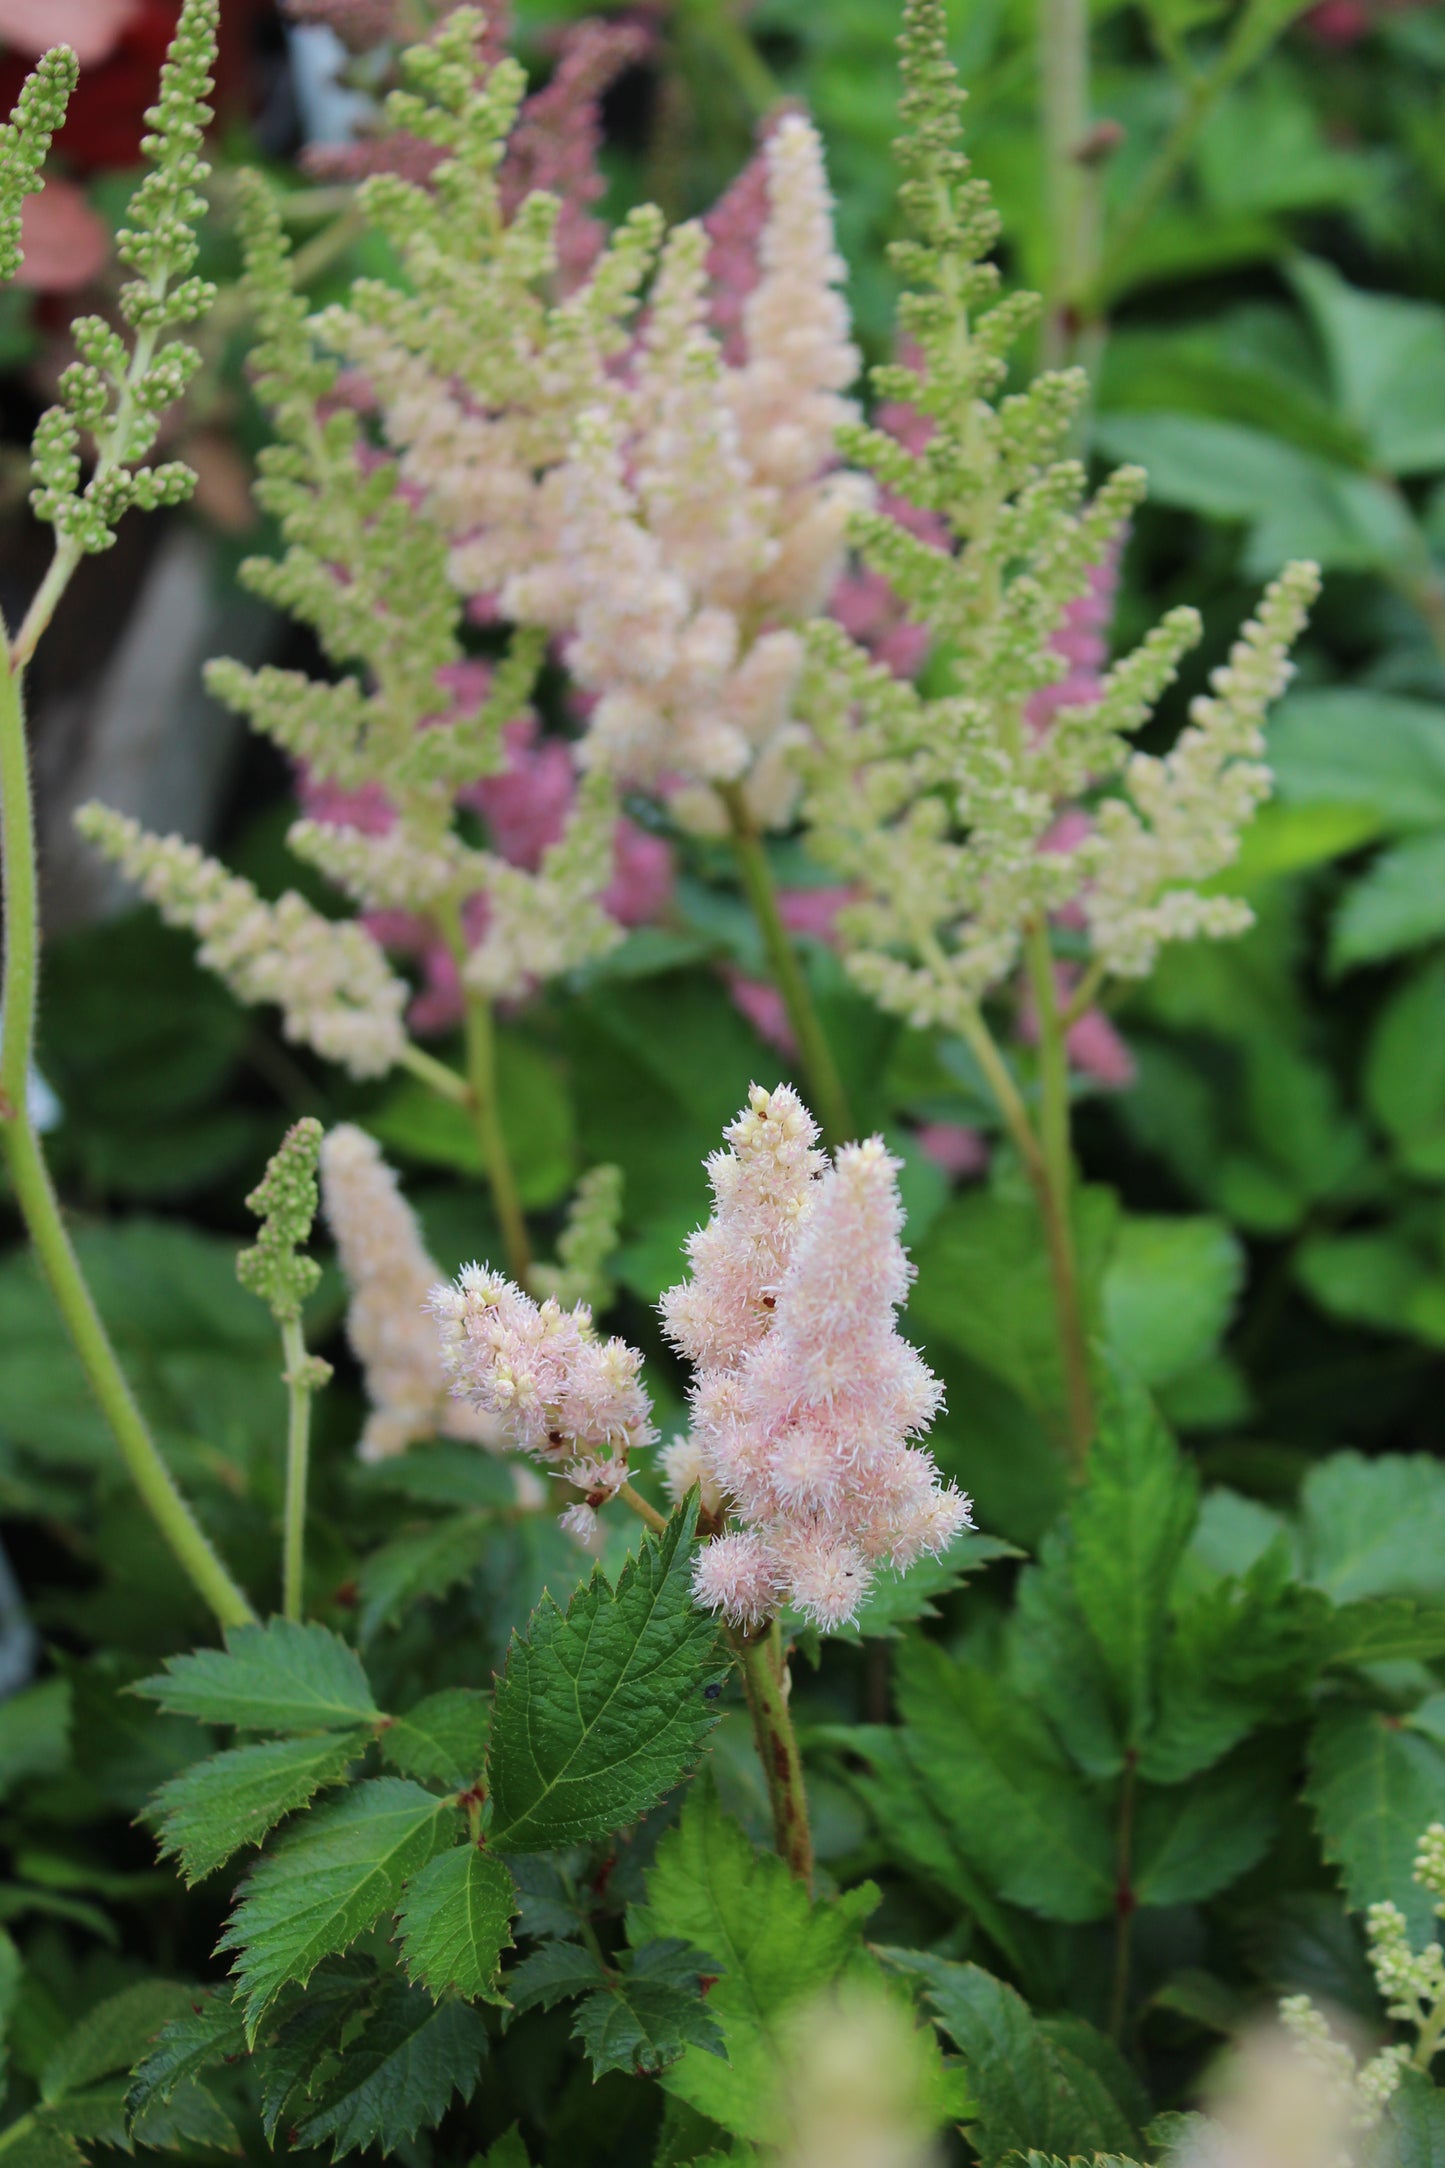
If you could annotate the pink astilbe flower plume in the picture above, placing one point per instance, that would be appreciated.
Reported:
(806, 1395)
(574, 1402)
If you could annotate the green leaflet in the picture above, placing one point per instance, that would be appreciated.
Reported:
(209, 2031)
(1375, 1783)
(443, 1740)
(277, 1677)
(422, 1563)
(454, 1917)
(329, 1879)
(308, 2027)
(399, 2074)
(708, 1887)
(1168, 1292)
(1032, 2092)
(210, 1811)
(1375, 1527)
(600, 1711)
(1414, 2124)
(1041, 1837)
(639, 2015)
(1129, 1527)
(1195, 1839)
(112, 2037)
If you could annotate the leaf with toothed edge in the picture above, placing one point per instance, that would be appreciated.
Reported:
(454, 1917)
(601, 1710)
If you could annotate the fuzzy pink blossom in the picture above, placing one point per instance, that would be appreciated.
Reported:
(760, 1003)
(805, 1396)
(573, 1401)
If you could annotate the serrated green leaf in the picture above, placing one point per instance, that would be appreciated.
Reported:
(41, 2147)
(711, 1888)
(1194, 1839)
(1375, 1527)
(93, 2117)
(600, 1711)
(1128, 1529)
(210, 2031)
(191, 2117)
(1385, 1629)
(1414, 2126)
(278, 1677)
(210, 1811)
(454, 1917)
(1375, 1785)
(508, 2152)
(1241, 1652)
(399, 2075)
(329, 1879)
(310, 2030)
(648, 2016)
(422, 1564)
(552, 1974)
(1031, 2092)
(443, 1740)
(113, 2036)
(1019, 1814)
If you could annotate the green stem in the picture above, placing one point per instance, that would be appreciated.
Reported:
(35, 1193)
(825, 1086)
(298, 1454)
(649, 1515)
(1064, 106)
(482, 1077)
(1056, 1195)
(435, 1073)
(765, 1682)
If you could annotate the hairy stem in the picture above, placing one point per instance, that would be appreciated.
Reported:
(825, 1087)
(35, 1193)
(1125, 1902)
(482, 1077)
(1051, 1193)
(1056, 1196)
(298, 1454)
(765, 1682)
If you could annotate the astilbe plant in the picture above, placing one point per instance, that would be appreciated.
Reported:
(592, 455)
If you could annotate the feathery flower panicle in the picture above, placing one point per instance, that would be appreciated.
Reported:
(285, 1202)
(116, 392)
(332, 983)
(1411, 1984)
(25, 144)
(701, 514)
(390, 1277)
(586, 1243)
(946, 811)
(805, 1395)
(575, 1402)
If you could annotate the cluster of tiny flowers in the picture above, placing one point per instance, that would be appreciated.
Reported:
(701, 514)
(955, 814)
(575, 1402)
(1412, 1987)
(332, 983)
(390, 1277)
(805, 1394)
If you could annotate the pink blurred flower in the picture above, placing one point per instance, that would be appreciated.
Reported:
(92, 28)
(764, 1007)
(953, 1146)
(65, 243)
(813, 912)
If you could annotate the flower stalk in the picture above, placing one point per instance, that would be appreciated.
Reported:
(35, 1193)
(825, 1086)
(765, 1682)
